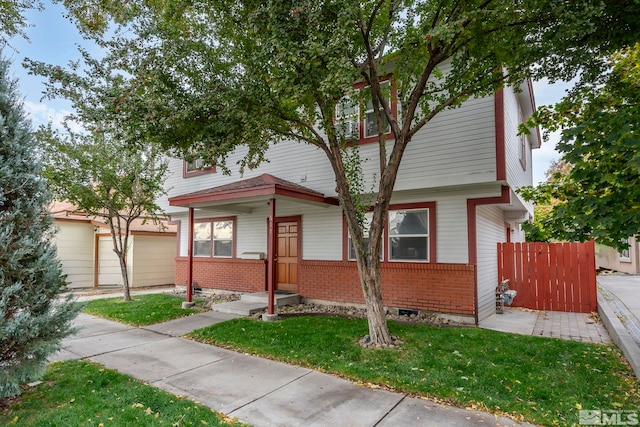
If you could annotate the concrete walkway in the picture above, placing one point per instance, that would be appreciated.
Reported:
(257, 391)
(619, 309)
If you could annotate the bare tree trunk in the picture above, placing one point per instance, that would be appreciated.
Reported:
(120, 247)
(376, 313)
(125, 277)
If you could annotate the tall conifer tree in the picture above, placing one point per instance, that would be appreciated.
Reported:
(33, 317)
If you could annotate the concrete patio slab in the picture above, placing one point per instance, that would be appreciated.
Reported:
(184, 325)
(162, 359)
(241, 308)
(319, 400)
(98, 344)
(512, 320)
(233, 382)
(425, 413)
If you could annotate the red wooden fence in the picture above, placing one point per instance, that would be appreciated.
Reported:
(550, 276)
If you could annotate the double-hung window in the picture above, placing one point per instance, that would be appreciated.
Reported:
(348, 118)
(213, 238)
(522, 140)
(196, 167)
(370, 125)
(355, 118)
(409, 235)
(351, 247)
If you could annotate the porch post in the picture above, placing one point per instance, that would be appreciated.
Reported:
(271, 256)
(189, 299)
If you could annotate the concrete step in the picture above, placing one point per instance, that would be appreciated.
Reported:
(243, 308)
(280, 298)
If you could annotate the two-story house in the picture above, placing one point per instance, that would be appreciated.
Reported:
(454, 199)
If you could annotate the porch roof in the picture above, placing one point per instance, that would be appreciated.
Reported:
(263, 185)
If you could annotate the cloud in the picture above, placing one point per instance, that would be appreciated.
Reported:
(41, 114)
(547, 94)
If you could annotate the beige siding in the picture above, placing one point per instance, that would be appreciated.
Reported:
(609, 258)
(109, 272)
(490, 229)
(153, 260)
(75, 241)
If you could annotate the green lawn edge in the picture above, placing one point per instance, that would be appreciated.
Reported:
(143, 310)
(536, 379)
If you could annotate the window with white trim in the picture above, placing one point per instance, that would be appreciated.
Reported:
(408, 232)
(355, 117)
(348, 118)
(522, 139)
(196, 167)
(351, 254)
(213, 238)
(625, 254)
(370, 125)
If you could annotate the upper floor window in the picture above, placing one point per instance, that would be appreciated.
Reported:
(213, 238)
(370, 125)
(355, 115)
(522, 139)
(195, 168)
(348, 118)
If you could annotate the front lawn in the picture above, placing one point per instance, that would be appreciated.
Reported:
(545, 380)
(143, 310)
(79, 393)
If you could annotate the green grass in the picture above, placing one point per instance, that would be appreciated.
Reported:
(545, 380)
(78, 393)
(143, 310)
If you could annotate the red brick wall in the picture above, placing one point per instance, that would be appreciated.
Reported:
(445, 288)
(242, 275)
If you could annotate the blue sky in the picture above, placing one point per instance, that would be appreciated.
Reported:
(54, 39)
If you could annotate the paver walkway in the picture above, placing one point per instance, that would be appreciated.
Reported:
(554, 324)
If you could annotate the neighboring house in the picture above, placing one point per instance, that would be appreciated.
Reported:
(85, 249)
(627, 261)
(454, 200)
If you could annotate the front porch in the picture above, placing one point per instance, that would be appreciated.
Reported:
(256, 302)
